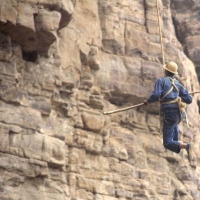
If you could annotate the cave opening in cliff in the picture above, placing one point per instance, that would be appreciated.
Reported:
(198, 72)
(30, 56)
(198, 103)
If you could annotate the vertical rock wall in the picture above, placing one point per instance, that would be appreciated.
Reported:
(64, 62)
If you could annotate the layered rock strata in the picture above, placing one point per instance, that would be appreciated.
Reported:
(62, 64)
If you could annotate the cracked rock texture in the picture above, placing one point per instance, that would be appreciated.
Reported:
(62, 64)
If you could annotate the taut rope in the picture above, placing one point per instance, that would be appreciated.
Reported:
(134, 106)
(122, 109)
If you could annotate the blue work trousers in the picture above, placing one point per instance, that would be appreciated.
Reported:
(171, 119)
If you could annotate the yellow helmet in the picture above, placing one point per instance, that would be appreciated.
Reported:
(171, 67)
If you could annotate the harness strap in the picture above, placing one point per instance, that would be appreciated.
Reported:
(172, 82)
(167, 93)
(170, 90)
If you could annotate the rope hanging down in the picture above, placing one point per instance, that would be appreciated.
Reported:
(160, 33)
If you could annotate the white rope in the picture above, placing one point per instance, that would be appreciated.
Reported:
(160, 33)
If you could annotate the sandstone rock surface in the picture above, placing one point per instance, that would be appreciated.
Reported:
(64, 62)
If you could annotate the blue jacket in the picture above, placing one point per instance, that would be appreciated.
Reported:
(162, 86)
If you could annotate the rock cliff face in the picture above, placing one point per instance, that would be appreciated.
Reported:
(64, 62)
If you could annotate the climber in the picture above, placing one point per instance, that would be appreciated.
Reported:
(173, 98)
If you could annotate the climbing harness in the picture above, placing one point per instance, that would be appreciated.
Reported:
(182, 108)
(170, 90)
(181, 105)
